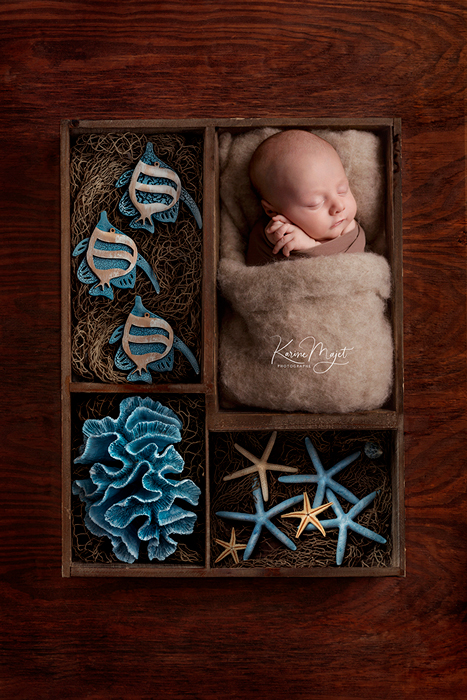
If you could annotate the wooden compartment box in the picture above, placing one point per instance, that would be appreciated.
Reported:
(91, 388)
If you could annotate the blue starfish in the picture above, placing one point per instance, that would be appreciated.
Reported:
(345, 522)
(323, 478)
(263, 518)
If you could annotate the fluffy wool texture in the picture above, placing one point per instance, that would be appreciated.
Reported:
(308, 334)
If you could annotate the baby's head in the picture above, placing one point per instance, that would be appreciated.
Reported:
(300, 176)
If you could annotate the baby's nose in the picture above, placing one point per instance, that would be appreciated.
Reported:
(337, 205)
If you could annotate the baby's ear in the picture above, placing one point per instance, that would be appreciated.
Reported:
(268, 208)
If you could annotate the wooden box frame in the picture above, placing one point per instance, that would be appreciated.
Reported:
(217, 419)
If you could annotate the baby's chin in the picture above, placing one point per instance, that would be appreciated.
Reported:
(330, 236)
(338, 231)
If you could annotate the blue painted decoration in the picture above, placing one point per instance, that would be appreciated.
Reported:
(148, 343)
(111, 259)
(262, 518)
(345, 522)
(323, 479)
(154, 193)
(372, 450)
(129, 496)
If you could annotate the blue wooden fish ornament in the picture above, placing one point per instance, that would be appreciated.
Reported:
(111, 259)
(154, 193)
(148, 342)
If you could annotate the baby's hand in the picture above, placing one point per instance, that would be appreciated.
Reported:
(277, 228)
(285, 236)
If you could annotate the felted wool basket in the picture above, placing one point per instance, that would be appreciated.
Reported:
(308, 334)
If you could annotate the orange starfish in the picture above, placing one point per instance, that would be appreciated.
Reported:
(308, 515)
(230, 548)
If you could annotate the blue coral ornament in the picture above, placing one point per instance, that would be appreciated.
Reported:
(111, 259)
(132, 458)
(154, 193)
(148, 342)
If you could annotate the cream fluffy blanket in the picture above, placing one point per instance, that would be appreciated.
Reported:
(304, 334)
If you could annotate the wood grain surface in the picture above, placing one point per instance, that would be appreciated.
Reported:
(271, 639)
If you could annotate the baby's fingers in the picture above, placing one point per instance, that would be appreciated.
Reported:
(281, 217)
(280, 244)
(273, 226)
(280, 233)
(288, 248)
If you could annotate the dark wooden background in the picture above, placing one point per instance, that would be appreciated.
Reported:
(262, 638)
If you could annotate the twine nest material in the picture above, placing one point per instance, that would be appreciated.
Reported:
(174, 251)
(88, 548)
(313, 550)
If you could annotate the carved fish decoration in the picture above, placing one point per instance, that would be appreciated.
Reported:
(148, 342)
(154, 193)
(111, 259)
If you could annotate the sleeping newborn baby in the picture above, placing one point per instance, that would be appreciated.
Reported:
(306, 197)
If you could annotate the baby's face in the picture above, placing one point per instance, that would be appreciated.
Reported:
(315, 196)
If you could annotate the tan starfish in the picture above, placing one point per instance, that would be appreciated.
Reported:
(260, 465)
(230, 548)
(308, 515)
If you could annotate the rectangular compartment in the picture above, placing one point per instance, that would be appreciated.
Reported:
(313, 553)
(219, 422)
(89, 551)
